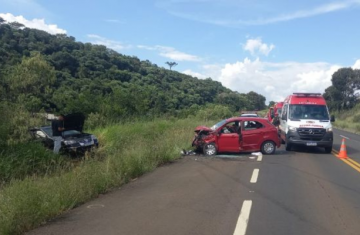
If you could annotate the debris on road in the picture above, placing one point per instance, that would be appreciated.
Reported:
(257, 153)
(189, 152)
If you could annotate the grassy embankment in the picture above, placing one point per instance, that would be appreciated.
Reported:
(348, 120)
(127, 151)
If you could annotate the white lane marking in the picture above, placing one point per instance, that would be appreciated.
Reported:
(243, 219)
(345, 137)
(259, 159)
(254, 176)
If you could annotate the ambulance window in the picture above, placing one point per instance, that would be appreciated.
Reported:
(284, 112)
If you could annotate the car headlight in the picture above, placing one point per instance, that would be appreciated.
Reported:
(94, 138)
(329, 129)
(69, 142)
(292, 128)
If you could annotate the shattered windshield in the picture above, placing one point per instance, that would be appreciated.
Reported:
(217, 125)
(300, 111)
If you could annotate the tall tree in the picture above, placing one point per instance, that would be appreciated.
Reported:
(171, 64)
(345, 81)
(256, 101)
(271, 103)
(31, 81)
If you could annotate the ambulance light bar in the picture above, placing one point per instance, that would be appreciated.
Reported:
(307, 94)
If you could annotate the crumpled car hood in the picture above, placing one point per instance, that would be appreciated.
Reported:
(203, 128)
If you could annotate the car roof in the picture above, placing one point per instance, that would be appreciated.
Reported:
(249, 114)
(246, 119)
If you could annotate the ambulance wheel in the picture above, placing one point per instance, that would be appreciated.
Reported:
(328, 149)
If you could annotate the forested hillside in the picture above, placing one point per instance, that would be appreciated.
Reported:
(58, 74)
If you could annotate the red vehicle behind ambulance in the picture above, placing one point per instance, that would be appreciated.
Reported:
(274, 112)
(305, 120)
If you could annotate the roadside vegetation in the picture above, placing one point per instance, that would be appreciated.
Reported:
(348, 120)
(49, 185)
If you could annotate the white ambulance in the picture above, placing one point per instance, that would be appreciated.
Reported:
(305, 120)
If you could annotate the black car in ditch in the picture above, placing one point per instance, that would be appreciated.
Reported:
(74, 140)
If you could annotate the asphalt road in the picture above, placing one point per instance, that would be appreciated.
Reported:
(305, 191)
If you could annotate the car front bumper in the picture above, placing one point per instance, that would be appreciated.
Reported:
(326, 140)
(77, 148)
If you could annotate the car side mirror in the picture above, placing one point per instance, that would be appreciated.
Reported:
(332, 118)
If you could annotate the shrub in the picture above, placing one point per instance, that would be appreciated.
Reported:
(356, 118)
(357, 128)
(214, 112)
(94, 120)
(19, 121)
(26, 159)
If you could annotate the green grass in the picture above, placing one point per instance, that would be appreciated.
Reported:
(348, 120)
(126, 152)
(26, 159)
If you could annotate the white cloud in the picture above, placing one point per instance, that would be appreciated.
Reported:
(171, 53)
(256, 46)
(115, 45)
(318, 10)
(356, 65)
(194, 74)
(323, 9)
(273, 80)
(34, 23)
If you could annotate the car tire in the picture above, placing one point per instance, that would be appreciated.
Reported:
(268, 147)
(288, 146)
(209, 149)
(328, 149)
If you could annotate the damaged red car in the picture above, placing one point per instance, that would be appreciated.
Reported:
(238, 134)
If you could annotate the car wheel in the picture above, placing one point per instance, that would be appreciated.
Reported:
(288, 146)
(268, 147)
(209, 149)
(328, 149)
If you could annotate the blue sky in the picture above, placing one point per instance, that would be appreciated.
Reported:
(271, 47)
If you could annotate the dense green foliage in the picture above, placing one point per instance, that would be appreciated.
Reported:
(343, 93)
(41, 72)
(55, 72)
